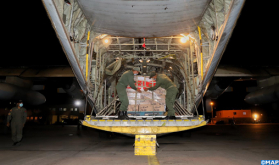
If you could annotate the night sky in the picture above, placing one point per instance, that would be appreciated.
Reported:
(253, 39)
(34, 42)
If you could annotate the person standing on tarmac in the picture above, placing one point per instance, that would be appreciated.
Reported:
(18, 116)
(126, 79)
(165, 82)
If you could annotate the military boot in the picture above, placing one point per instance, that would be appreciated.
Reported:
(126, 115)
(121, 115)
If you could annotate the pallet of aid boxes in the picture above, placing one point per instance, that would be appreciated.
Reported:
(149, 103)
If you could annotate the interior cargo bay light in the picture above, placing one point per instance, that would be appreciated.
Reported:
(184, 39)
(77, 102)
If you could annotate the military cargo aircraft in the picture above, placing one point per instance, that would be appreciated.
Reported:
(185, 39)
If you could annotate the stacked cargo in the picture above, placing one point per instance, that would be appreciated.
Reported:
(146, 103)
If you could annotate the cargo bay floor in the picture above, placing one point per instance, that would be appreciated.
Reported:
(211, 144)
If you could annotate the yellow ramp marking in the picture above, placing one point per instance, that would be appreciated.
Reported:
(152, 160)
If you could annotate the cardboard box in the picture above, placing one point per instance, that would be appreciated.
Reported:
(148, 101)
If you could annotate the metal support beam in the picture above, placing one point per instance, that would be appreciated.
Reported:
(199, 29)
(87, 49)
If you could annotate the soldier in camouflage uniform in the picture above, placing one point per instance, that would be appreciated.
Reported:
(17, 116)
(165, 82)
(126, 79)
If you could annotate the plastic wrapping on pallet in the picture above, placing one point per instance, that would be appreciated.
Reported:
(148, 101)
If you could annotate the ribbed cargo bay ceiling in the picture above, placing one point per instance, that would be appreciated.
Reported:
(143, 18)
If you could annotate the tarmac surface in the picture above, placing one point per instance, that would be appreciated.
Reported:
(211, 144)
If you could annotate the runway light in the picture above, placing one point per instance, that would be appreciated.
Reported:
(256, 116)
(77, 103)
